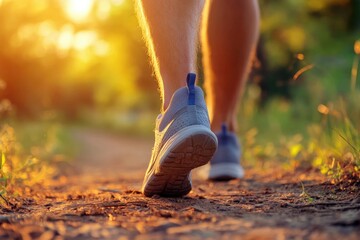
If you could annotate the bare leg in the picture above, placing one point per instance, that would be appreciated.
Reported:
(183, 139)
(229, 35)
(170, 28)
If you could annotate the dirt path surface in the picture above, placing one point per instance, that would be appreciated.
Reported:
(100, 199)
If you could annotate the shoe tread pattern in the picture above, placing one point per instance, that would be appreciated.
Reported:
(171, 179)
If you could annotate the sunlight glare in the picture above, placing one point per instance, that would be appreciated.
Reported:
(357, 47)
(78, 10)
(66, 37)
(118, 2)
(323, 109)
(84, 40)
(101, 48)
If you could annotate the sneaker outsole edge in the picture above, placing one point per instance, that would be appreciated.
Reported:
(225, 171)
(188, 149)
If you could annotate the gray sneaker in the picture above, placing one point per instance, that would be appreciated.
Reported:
(183, 141)
(225, 165)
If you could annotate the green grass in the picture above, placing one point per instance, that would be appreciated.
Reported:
(318, 128)
(30, 153)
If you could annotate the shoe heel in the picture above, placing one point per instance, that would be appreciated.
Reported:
(194, 151)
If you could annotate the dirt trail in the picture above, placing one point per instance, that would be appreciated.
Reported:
(101, 199)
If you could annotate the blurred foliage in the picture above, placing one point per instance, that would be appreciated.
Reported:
(297, 34)
(302, 108)
(64, 57)
(53, 60)
(31, 154)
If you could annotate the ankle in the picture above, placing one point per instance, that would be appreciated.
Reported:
(216, 125)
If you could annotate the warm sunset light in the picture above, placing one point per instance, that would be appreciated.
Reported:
(81, 83)
(78, 10)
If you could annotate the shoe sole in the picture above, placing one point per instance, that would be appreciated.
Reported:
(190, 148)
(225, 171)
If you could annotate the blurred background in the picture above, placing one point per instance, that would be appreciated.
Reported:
(66, 63)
